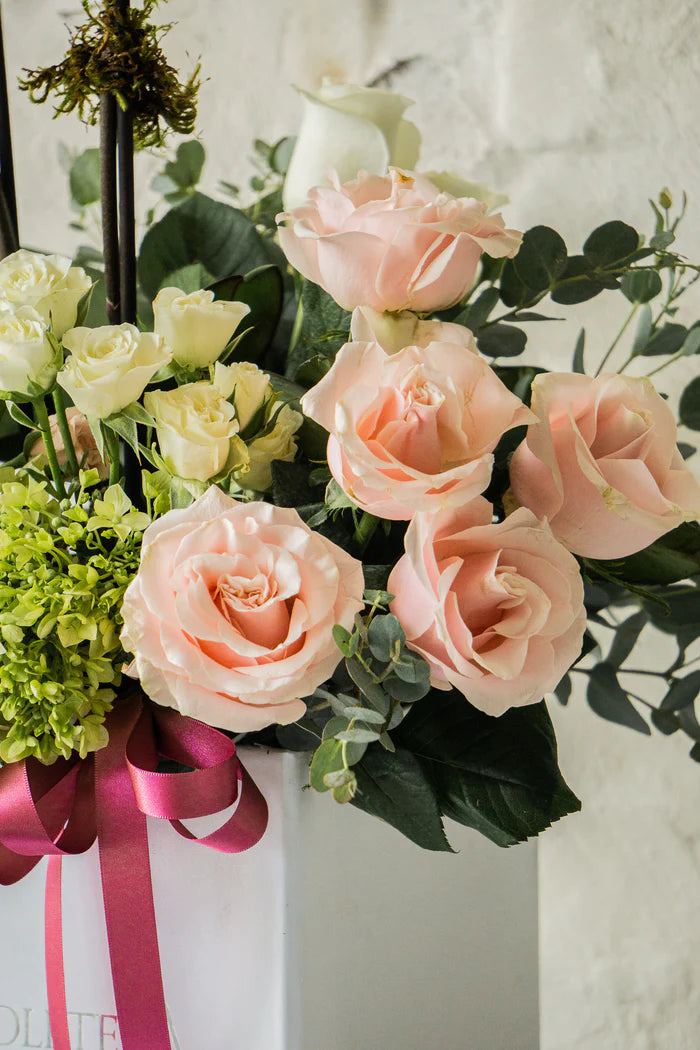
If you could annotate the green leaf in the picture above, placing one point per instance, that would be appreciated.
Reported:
(512, 290)
(357, 736)
(385, 637)
(665, 721)
(478, 312)
(366, 714)
(502, 340)
(686, 450)
(20, 416)
(682, 693)
(689, 408)
(139, 414)
(263, 291)
(498, 775)
(578, 365)
(641, 286)
(665, 340)
(397, 788)
(673, 557)
(610, 243)
(541, 258)
(642, 332)
(185, 171)
(625, 639)
(325, 326)
(84, 178)
(190, 278)
(328, 758)
(366, 684)
(562, 690)
(203, 231)
(576, 285)
(691, 345)
(125, 427)
(608, 699)
(662, 240)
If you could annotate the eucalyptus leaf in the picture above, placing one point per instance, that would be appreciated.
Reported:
(577, 364)
(640, 286)
(610, 243)
(502, 340)
(683, 692)
(689, 408)
(541, 258)
(608, 699)
(666, 340)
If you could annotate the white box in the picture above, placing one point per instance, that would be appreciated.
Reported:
(333, 933)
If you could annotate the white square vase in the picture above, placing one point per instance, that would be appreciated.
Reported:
(333, 933)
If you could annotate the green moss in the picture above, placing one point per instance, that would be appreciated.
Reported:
(118, 52)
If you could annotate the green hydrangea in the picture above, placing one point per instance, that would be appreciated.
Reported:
(64, 568)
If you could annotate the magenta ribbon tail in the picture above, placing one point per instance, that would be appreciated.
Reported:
(55, 978)
(128, 895)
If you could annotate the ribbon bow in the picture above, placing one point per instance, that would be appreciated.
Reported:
(60, 810)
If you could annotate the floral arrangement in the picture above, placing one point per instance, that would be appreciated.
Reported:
(310, 498)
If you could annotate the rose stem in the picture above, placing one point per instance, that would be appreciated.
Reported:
(9, 236)
(60, 405)
(42, 419)
(108, 192)
(112, 443)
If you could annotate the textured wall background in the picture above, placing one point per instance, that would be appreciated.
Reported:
(579, 112)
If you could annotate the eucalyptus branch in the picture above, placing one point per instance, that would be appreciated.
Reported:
(616, 340)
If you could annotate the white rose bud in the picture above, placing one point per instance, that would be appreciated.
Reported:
(349, 128)
(48, 283)
(279, 444)
(26, 355)
(195, 425)
(394, 331)
(195, 326)
(249, 385)
(110, 367)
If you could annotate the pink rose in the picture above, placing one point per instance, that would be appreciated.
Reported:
(392, 242)
(601, 464)
(231, 613)
(415, 430)
(496, 610)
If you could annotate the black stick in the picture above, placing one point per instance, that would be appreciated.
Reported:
(9, 227)
(108, 191)
(127, 235)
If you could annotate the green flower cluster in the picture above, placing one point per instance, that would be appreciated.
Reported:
(64, 568)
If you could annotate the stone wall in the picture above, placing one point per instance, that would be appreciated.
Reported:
(579, 112)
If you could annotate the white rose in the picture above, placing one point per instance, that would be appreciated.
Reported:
(249, 385)
(394, 331)
(110, 367)
(26, 355)
(349, 128)
(48, 283)
(279, 444)
(451, 182)
(195, 425)
(195, 326)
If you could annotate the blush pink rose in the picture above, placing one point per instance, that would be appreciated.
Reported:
(230, 616)
(392, 242)
(414, 430)
(602, 465)
(496, 610)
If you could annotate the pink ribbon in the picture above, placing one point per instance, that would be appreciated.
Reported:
(60, 810)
